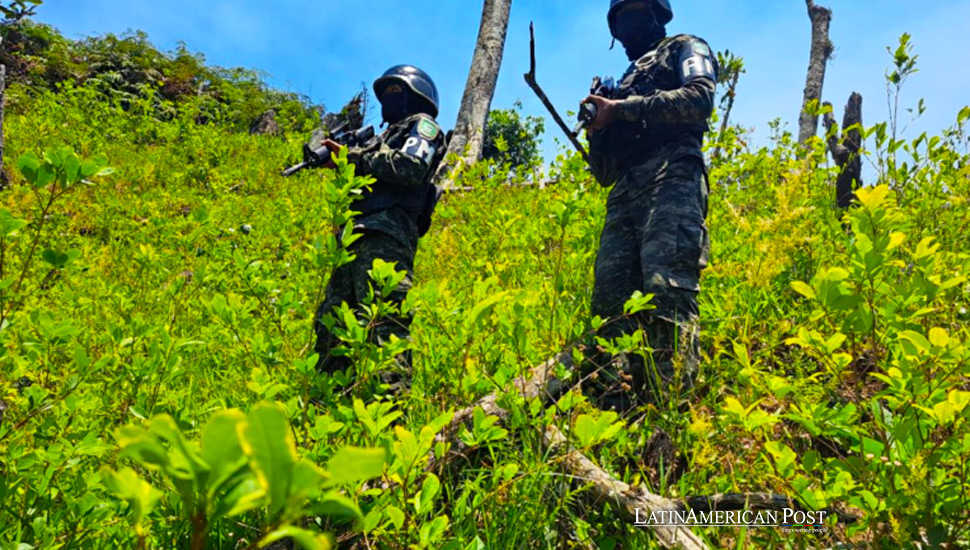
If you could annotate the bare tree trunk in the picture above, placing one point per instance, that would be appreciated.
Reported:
(821, 52)
(3, 91)
(845, 151)
(469, 135)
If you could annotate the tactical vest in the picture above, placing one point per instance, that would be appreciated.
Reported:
(411, 197)
(655, 71)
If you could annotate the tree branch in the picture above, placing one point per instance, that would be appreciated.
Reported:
(530, 79)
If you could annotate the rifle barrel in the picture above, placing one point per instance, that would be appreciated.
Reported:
(294, 169)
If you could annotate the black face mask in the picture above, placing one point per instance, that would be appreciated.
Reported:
(394, 106)
(637, 30)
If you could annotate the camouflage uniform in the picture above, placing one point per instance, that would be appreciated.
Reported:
(655, 239)
(393, 215)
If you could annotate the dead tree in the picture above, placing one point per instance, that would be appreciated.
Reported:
(469, 134)
(3, 90)
(821, 53)
(845, 151)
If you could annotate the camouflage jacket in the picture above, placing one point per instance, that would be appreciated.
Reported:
(666, 97)
(402, 159)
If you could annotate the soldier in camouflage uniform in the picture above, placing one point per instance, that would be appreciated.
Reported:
(646, 141)
(394, 213)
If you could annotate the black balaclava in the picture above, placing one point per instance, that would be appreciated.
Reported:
(638, 31)
(395, 103)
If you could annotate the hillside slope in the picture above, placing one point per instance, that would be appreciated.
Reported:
(183, 283)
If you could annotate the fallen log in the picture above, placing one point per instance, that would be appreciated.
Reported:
(629, 502)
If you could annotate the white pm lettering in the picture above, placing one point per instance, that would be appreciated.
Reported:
(419, 148)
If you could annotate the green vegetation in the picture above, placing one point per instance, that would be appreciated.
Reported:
(151, 312)
(128, 70)
(513, 139)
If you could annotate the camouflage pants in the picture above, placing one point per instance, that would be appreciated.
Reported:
(654, 240)
(350, 283)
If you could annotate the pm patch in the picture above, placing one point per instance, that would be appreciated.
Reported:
(697, 62)
(701, 48)
(422, 144)
(428, 129)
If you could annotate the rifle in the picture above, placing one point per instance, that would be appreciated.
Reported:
(587, 111)
(315, 157)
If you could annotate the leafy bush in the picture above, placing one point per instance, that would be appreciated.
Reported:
(511, 138)
(130, 70)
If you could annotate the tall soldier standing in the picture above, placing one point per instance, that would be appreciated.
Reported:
(394, 213)
(646, 139)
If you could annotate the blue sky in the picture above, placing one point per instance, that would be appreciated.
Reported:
(326, 48)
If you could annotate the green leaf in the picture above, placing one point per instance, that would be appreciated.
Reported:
(872, 198)
(138, 493)
(95, 166)
(220, 439)
(8, 224)
(590, 431)
(138, 445)
(184, 455)
(55, 258)
(917, 339)
(434, 530)
(305, 483)
(365, 418)
(58, 259)
(963, 116)
(28, 164)
(429, 490)
(803, 289)
(638, 302)
(336, 505)
(783, 455)
(939, 337)
(309, 540)
(478, 313)
(396, 515)
(352, 464)
(267, 440)
(243, 495)
(734, 407)
(72, 168)
(45, 175)
(221, 449)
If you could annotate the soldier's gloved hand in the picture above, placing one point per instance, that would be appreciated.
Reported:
(605, 111)
(334, 148)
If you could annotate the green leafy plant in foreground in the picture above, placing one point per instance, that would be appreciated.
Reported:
(905, 379)
(51, 176)
(244, 462)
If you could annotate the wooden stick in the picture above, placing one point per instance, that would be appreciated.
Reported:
(603, 487)
(530, 79)
(626, 500)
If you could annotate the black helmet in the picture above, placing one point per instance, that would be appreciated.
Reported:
(415, 79)
(660, 7)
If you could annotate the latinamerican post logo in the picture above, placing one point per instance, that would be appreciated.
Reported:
(788, 520)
